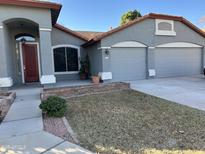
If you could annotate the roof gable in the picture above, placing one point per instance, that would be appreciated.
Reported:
(54, 7)
(149, 16)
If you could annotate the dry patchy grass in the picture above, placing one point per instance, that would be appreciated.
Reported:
(130, 122)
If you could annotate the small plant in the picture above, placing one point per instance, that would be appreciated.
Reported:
(54, 106)
(85, 68)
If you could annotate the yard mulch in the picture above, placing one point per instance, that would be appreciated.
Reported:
(57, 127)
(130, 122)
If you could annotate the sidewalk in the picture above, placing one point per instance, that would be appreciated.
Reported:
(21, 132)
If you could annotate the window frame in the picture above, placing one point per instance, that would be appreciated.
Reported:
(164, 32)
(23, 35)
(66, 46)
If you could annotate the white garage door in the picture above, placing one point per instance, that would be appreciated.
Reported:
(128, 63)
(172, 62)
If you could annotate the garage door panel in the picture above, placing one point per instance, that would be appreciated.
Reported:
(178, 61)
(128, 63)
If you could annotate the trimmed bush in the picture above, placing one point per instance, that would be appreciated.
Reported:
(54, 106)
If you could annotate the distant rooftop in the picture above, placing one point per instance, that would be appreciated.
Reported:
(89, 34)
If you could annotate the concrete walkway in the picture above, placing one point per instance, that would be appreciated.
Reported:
(188, 91)
(21, 132)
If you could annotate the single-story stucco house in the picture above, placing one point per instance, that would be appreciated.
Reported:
(34, 48)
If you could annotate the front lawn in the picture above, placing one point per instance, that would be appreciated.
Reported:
(129, 122)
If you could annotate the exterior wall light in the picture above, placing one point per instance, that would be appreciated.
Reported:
(107, 52)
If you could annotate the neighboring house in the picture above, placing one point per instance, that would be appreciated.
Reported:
(34, 48)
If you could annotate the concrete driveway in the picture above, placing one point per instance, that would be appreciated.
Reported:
(188, 91)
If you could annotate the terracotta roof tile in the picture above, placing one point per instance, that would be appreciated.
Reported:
(71, 32)
(89, 34)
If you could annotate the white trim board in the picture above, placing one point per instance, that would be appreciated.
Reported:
(64, 73)
(129, 44)
(1, 27)
(164, 32)
(101, 48)
(48, 79)
(79, 57)
(105, 75)
(6, 82)
(22, 63)
(152, 72)
(45, 29)
(151, 47)
(179, 45)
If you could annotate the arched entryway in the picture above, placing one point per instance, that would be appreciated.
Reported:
(22, 39)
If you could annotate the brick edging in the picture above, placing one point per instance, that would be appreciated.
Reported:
(76, 91)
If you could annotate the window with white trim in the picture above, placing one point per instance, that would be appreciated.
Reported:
(165, 27)
(66, 59)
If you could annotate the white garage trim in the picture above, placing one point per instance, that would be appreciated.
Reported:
(129, 44)
(179, 45)
(101, 48)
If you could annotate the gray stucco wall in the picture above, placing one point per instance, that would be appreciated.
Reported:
(183, 34)
(38, 15)
(95, 54)
(144, 33)
(9, 57)
(62, 38)
(3, 60)
(47, 66)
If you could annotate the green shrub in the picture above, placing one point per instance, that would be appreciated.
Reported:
(54, 106)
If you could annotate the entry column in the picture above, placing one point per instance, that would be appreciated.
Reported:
(5, 80)
(47, 65)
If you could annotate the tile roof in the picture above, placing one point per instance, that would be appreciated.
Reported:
(71, 32)
(89, 34)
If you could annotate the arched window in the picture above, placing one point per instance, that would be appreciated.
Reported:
(165, 27)
(66, 59)
(25, 38)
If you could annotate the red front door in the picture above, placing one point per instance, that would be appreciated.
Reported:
(30, 62)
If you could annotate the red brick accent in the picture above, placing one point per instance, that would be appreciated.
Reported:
(6, 100)
(68, 92)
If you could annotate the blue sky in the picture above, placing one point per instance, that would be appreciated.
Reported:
(100, 15)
